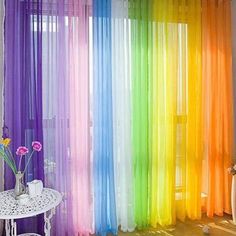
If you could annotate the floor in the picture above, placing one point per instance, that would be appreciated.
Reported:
(219, 226)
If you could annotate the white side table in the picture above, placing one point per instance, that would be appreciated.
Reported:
(45, 204)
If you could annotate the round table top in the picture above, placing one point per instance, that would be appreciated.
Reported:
(11, 209)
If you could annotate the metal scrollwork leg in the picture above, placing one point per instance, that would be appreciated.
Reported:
(10, 227)
(47, 223)
(13, 228)
(7, 227)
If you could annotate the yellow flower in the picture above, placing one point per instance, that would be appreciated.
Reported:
(6, 141)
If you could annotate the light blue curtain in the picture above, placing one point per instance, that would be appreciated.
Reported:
(104, 191)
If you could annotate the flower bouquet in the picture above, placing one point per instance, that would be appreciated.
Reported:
(9, 159)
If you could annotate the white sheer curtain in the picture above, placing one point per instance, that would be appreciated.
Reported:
(1, 92)
(122, 115)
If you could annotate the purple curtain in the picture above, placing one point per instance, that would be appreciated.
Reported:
(23, 88)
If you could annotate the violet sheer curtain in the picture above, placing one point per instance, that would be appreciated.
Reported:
(1, 92)
(23, 88)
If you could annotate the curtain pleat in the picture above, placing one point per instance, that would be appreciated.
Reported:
(103, 169)
(80, 118)
(2, 15)
(67, 113)
(164, 89)
(218, 98)
(139, 81)
(233, 19)
(194, 132)
(56, 111)
(23, 89)
(121, 107)
(176, 114)
(133, 101)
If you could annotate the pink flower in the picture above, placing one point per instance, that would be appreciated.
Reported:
(37, 146)
(22, 150)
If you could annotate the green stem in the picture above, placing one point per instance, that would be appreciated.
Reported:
(28, 161)
(12, 158)
(6, 159)
(19, 167)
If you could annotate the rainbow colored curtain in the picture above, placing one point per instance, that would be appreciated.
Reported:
(133, 101)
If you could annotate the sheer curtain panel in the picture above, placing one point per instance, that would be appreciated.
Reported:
(103, 169)
(121, 107)
(2, 14)
(218, 98)
(133, 101)
(66, 113)
(23, 88)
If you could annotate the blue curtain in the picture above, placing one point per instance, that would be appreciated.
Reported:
(104, 191)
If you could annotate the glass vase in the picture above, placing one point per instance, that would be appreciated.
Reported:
(19, 184)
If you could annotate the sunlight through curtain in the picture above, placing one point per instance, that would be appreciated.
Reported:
(121, 84)
(133, 101)
(66, 113)
(176, 150)
(104, 188)
(139, 78)
(218, 98)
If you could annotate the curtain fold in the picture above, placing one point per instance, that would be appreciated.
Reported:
(139, 81)
(23, 87)
(23, 81)
(218, 97)
(2, 15)
(132, 99)
(103, 169)
(56, 111)
(66, 113)
(164, 89)
(233, 30)
(176, 151)
(121, 108)
(194, 128)
(80, 117)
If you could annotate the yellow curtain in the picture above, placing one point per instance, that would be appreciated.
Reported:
(175, 113)
(218, 99)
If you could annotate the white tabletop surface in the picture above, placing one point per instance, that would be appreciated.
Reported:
(11, 209)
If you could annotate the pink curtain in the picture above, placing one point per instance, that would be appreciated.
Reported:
(79, 117)
(66, 112)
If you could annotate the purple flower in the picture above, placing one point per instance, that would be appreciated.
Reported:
(22, 150)
(37, 146)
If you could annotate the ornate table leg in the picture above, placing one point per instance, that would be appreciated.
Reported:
(47, 223)
(7, 227)
(10, 227)
(13, 228)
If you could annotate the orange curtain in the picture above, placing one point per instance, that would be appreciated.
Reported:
(218, 100)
